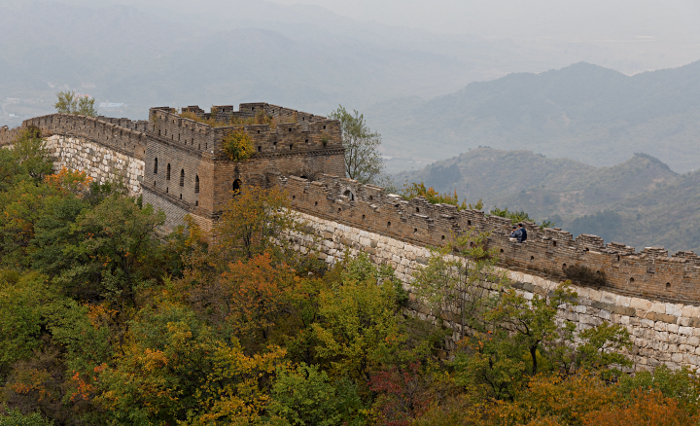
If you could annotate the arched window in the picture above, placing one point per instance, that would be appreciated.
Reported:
(155, 165)
(236, 186)
(182, 177)
(196, 184)
(167, 172)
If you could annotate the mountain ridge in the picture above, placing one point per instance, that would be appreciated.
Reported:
(585, 112)
(640, 202)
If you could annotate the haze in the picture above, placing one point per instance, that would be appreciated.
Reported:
(375, 56)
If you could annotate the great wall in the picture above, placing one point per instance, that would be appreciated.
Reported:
(178, 165)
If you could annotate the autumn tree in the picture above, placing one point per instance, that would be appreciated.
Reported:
(645, 408)
(174, 370)
(259, 220)
(248, 300)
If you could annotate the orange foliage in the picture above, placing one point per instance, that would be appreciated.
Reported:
(256, 291)
(68, 181)
(32, 380)
(101, 316)
(646, 408)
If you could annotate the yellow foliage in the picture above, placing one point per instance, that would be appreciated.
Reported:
(238, 145)
(68, 181)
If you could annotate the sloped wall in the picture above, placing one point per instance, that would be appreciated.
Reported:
(662, 333)
(99, 162)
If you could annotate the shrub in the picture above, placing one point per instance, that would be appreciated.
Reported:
(238, 146)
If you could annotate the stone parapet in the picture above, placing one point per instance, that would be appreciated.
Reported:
(549, 253)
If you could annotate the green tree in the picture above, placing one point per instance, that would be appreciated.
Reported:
(25, 302)
(357, 327)
(530, 322)
(69, 103)
(16, 418)
(363, 161)
(517, 217)
(305, 395)
(114, 252)
(451, 286)
(10, 170)
(30, 153)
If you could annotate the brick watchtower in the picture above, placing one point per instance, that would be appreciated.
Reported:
(188, 172)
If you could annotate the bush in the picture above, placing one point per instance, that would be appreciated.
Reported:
(238, 146)
(16, 418)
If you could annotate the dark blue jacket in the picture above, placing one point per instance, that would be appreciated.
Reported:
(523, 231)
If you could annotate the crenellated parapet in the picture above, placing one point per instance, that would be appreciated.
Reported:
(304, 135)
(121, 135)
(551, 252)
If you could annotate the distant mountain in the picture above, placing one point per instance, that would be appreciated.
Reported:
(641, 201)
(175, 52)
(585, 112)
(225, 52)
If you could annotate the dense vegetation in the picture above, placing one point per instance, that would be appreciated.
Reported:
(640, 202)
(104, 321)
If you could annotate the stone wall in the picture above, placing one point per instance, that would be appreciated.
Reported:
(101, 163)
(613, 267)
(662, 332)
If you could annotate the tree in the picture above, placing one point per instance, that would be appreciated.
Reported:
(305, 395)
(173, 370)
(645, 408)
(451, 286)
(517, 217)
(30, 153)
(69, 103)
(116, 245)
(16, 418)
(413, 190)
(530, 323)
(358, 327)
(259, 220)
(363, 162)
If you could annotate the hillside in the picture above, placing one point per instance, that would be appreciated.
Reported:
(641, 201)
(585, 112)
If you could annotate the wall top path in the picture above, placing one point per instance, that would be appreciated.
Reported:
(551, 252)
(122, 135)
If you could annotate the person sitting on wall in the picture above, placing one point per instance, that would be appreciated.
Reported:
(516, 235)
(523, 232)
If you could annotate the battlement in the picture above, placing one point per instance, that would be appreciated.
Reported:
(309, 133)
(550, 252)
(121, 135)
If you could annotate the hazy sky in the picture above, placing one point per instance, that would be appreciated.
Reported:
(588, 19)
(526, 17)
